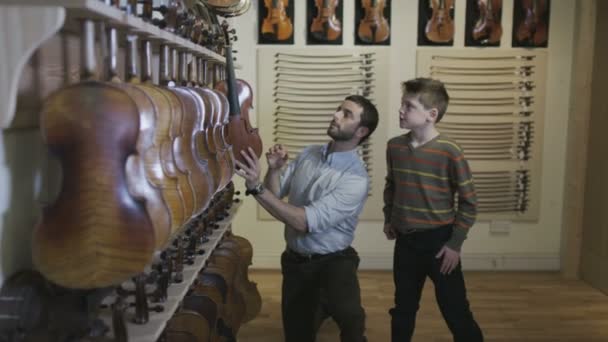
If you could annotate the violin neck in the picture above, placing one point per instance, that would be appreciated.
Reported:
(233, 98)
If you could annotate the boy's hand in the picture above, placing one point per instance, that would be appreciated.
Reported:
(389, 231)
(451, 258)
(276, 156)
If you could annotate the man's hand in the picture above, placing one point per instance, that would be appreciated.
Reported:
(389, 231)
(276, 157)
(251, 171)
(451, 258)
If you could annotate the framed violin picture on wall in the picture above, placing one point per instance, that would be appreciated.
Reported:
(483, 25)
(275, 21)
(436, 22)
(531, 23)
(324, 18)
(372, 22)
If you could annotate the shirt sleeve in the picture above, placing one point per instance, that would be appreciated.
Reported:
(389, 188)
(466, 212)
(338, 205)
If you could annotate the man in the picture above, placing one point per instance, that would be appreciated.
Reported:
(327, 186)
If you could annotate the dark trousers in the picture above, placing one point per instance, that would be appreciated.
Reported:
(413, 261)
(334, 277)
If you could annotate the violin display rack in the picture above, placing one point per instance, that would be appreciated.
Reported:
(307, 85)
(27, 24)
(152, 330)
(496, 113)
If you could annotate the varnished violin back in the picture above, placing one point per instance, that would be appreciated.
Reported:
(221, 136)
(277, 24)
(241, 135)
(185, 146)
(533, 29)
(249, 289)
(239, 132)
(440, 28)
(187, 326)
(325, 25)
(373, 27)
(164, 174)
(95, 234)
(488, 28)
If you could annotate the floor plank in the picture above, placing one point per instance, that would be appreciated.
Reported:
(509, 306)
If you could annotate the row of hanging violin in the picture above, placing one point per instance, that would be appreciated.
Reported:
(138, 160)
(325, 26)
(484, 22)
(221, 300)
(194, 20)
(218, 301)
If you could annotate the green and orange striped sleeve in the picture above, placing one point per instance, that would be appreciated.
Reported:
(461, 181)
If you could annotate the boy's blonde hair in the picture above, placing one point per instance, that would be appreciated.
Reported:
(431, 94)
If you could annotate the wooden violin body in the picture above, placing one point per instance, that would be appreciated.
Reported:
(440, 28)
(373, 27)
(240, 133)
(249, 289)
(103, 227)
(488, 28)
(277, 24)
(326, 26)
(212, 138)
(96, 233)
(533, 29)
(187, 326)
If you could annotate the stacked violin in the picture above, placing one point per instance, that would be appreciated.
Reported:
(146, 187)
(139, 162)
(488, 28)
(325, 26)
(440, 27)
(373, 27)
(277, 25)
(532, 29)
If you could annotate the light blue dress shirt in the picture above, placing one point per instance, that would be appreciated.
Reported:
(333, 189)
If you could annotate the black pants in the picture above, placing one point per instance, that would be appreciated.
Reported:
(335, 277)
(413, 261)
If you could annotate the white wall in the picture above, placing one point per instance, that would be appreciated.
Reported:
(528, 245)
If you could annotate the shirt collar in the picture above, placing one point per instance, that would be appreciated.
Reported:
(337, 158)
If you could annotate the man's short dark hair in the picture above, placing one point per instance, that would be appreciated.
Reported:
(369, 115)
(431, 94)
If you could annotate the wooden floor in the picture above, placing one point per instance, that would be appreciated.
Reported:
(509, 306)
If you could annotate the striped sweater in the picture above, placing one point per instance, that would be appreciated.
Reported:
(421, 187)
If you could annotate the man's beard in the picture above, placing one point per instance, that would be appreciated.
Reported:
(339, 135)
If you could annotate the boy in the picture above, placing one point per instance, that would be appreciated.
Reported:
(425, 171)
